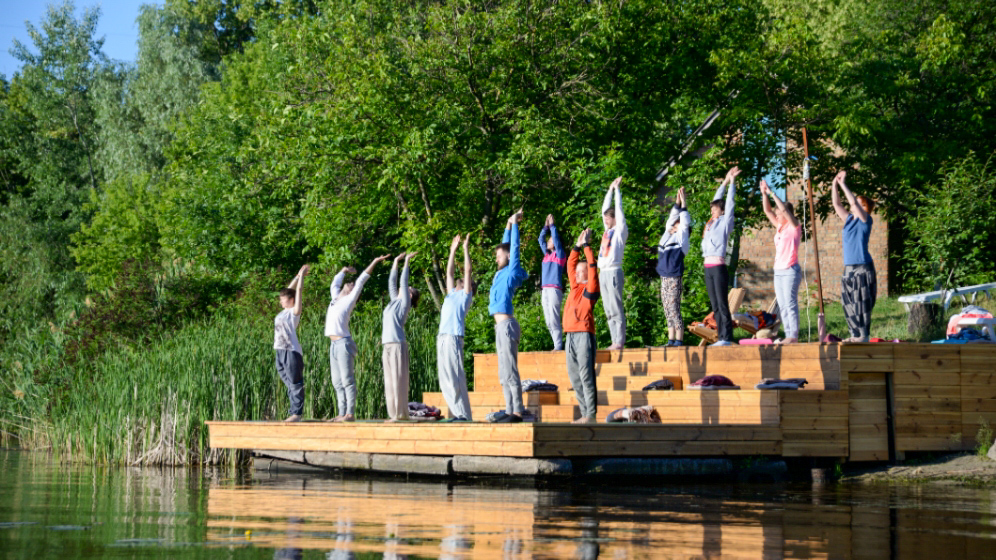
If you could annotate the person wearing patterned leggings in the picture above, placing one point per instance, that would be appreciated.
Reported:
(671, 251)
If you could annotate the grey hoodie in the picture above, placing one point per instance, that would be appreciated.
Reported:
(717, 232)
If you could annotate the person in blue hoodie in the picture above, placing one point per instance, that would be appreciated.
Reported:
(715, 238)
(671, 251)
(507, 280)
(554, 263)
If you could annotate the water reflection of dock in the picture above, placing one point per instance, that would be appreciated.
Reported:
(863, 402)
(440, 520)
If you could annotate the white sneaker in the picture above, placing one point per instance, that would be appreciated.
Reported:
(722, 343)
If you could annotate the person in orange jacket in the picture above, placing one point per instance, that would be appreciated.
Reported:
(579, 326)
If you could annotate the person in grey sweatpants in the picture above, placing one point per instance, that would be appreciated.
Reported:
(610, 257)
(342, 349)
(289, 359)
(579, 323)
(449, 341)
(509, 277)
(395, 355)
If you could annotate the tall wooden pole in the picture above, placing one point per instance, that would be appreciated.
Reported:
(812, 213)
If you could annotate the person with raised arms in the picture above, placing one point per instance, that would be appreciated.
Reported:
(859, 284)
(449, 341)
(671, 251)
(579, 324)
(289, 356)
(788, 275)
(342, 350)
(507, 280)
(395, 356)
(715, 238)
(610, 260)
(554, 260)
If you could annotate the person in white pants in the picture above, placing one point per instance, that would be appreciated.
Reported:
(554, 262)
(610, 256)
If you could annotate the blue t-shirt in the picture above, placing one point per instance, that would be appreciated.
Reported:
(854, 239)
(455, 306)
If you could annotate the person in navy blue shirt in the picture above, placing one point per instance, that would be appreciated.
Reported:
(554, 263)
(859, 286)
(507, 280)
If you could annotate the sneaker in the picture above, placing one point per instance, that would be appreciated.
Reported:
(498, 416)
(506, 419)
(675, 343)
(722, 343)
(460, 419)
(293, 418)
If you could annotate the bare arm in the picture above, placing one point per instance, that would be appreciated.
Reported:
(451, 265)
(299, 295)
(467, 287)
(369, 270)
(852, 201)
(838, 208)
(766, 204)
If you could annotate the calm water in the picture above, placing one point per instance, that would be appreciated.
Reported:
(53, 511)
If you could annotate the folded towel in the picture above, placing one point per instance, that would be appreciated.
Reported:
(639, 415)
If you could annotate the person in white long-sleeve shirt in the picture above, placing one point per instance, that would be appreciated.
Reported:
(342, 350)
(395, 356)
(610, 256)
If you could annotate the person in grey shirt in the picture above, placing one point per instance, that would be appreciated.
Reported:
(289, 359)
(449, 341)
(395, 353)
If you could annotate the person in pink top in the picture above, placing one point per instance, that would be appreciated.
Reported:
(788, 233)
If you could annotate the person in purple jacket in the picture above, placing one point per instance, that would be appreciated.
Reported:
(554, 263)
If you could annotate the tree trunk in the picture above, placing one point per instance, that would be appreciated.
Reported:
(922, 319)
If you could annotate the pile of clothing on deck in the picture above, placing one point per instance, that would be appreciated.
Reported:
(638, 415)
(967, 312)
(420, 410)
(790, 384)
(538, 385)
(759, 319)
(714, 383)
(660, 385)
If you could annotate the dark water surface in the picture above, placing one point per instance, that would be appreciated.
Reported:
(49, 510)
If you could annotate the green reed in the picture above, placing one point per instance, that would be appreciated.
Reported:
(148, 406)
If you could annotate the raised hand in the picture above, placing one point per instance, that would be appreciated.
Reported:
(304, 271)
(466, 240)
(516, 218)
(615, 184)
(381, 258)
(840, 176)
(681, 194)
(408, 256)
(764, 187)
(549, 220)
(581, 238)
(733, 172)
(399, 257)
(349, 269)
(455, 243)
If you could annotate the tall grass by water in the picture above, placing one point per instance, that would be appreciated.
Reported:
(148, 406)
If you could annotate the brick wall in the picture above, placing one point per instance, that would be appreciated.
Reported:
(757, 246)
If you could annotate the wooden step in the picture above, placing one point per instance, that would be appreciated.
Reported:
(494, 398)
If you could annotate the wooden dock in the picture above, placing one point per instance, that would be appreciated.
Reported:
(864, 402)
